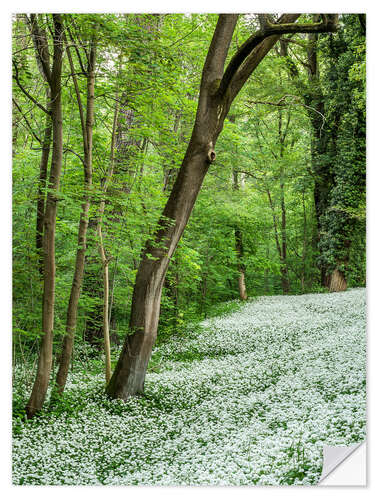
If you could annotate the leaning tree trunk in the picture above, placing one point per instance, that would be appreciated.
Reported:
(217, 91)
(41, 382)
(134, 358)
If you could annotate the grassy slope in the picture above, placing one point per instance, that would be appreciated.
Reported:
(248, 398)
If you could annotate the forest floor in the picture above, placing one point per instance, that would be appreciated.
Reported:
(249, 397)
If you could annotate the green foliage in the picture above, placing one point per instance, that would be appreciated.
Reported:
(149, 69)
(344, 220)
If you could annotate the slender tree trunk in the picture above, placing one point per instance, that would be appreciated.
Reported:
(170, 286)
(266, 271)
(284, 264)
(241, 267)
(43, 171)
(314, 100)
(280, 249)
(238, 239)
(239, 249)
(42, 55)
(41, 382)
(103, 257)
(122, 151)
(217, 92)
(304, 248)
(71, 320)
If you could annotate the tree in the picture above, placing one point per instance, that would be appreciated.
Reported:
(87, 120)
(53, 76)
(217, 91)
(344, 215)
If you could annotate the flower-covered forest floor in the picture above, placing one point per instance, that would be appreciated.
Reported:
(246, 398)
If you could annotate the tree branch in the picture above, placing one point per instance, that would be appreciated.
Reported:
(218, 50)
(26, 120)
(27, 94)
(41, 47)
(78, 94)
(272, 33)
(84, 71)
(281, 102)
(67, 150)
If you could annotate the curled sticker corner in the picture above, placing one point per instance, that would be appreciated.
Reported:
(334, 456)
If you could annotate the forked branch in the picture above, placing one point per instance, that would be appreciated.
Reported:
(268, 29)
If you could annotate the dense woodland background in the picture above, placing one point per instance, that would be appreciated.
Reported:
(282, 207)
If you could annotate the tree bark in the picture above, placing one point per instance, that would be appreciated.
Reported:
(103, 256)
(314, 101)
(41, 382)
(241, 267)
(217, 91)
(87, 128)
(304, 244)
(239, 249)
(43, 172)
(283, 256)
(42, 55)
(122, 143)
(337, 281)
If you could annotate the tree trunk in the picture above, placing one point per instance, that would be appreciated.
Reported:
(240, 265)
(92, 287)
(121, 143)
(128, 377)
(41, 382)
(217, 91)
(281, 249)
(284, 265)
(304, 247)
(43, 171)
(242, 285)
(71, 320)
(238, 239)
(337, 281)
(42, 55)
(314, 101)
(103, 257)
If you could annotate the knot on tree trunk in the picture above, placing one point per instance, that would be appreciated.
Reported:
(211, 155)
